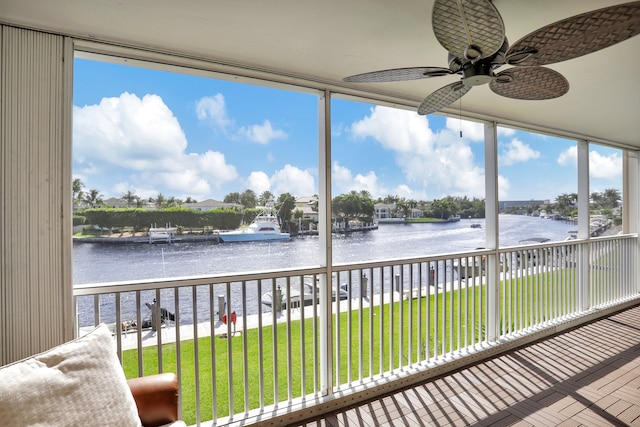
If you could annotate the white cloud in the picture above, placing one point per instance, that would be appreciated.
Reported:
(344, 181)
(473, 131)
(517, 151)
(213, 109)
(127, 131)
(502, 131)
(407, 192)
(262, 134)
(607, 167)
(569, 157)
(437, 164)
(140, 142)
(291, 179)
(600, 166)
(503, 187)
(259, 182)
(395, 129)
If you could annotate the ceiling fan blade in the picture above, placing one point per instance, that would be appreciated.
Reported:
(399, 74)
(576, 36)
(471, 29)
(531, 83)
(443, 97)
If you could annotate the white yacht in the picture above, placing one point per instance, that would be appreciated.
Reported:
(264, 227)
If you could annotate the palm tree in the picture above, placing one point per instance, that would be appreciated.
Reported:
(93, 198)
(159, 201)
(265, 197)
(611, 197)
(366, 194)
(77, 187)
(404, 208)
(129, 198)
(597, 198)
(248, 199)
(232, 198)
(563, 201)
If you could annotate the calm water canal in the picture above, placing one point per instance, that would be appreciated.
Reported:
(98, 263)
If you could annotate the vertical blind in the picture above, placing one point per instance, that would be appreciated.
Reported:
(35, 178)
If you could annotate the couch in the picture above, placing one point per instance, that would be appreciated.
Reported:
(81, 383)
(156, 398)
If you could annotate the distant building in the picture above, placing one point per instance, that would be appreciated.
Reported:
(210, 204)
(383, 211)
(112, 202)
(510, 204)
(308, 205)
(417, 213)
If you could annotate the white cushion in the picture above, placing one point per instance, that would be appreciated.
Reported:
(77, 383)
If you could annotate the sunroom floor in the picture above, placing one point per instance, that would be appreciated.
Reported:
(588, 376)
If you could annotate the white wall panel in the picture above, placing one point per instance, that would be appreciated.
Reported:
(35, 222)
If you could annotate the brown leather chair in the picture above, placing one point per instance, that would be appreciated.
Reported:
(157, 398)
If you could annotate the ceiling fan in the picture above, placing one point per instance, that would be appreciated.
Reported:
(473, 33)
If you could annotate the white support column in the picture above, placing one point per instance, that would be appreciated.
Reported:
(492, 229)
(584, 232)
(630, 188)
(631, 205)
(324, 233)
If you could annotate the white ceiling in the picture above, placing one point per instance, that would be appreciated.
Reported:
(327, 40)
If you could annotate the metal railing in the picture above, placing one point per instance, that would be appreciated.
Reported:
(247, 344)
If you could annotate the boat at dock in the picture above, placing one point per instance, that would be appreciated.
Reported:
(162, 234)
(309, 295)
(264, 227)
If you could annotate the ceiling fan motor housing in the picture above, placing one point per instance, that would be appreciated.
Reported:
(477, 74)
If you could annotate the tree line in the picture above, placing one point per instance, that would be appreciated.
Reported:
(345, 207)
(566, 204)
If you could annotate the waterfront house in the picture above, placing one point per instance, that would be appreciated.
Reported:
(417, 213)
(383, 211)
(308, 205)
(312, 47)
(210, 204)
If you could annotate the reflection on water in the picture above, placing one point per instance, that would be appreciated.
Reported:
(95, 263)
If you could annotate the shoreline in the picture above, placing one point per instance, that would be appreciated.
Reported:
(126, 240)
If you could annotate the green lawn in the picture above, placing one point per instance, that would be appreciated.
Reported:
(449, 315)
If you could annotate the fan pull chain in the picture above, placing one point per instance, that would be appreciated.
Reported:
(460, 117)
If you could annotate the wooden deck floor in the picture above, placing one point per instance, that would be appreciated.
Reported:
(589, 376)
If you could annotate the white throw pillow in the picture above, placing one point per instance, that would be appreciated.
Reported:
(79, 383)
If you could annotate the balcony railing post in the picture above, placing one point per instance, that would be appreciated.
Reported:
(493, 297)
(583, 277)
(363, 286)
(277, 300)
(221, 307)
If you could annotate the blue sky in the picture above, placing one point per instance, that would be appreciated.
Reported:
(150, 132)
